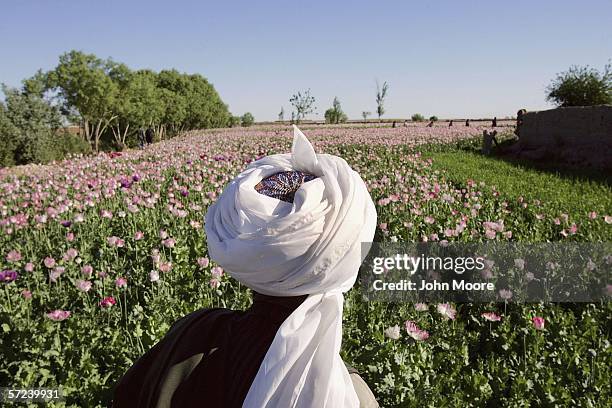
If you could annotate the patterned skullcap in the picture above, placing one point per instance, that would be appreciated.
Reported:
(283, 185)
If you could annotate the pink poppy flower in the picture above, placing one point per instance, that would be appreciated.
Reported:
(447, 310)
(492, 317)
(121, 282)
(70, 254)
(153, 276)
(393, 332)
(26, 294)
(107, 302)
(505, 294)
(203, 262)
(214, 283)
(56, 273)
(415, 332)
(421, 307)
(490, 234)
(83, 285)
(13, 256)
(538, 322)
(165, 266)
(49, 262)
(58, 315)
(138, 235)
(216, 272)
(29, 267)
(169, 243)
(87, 270)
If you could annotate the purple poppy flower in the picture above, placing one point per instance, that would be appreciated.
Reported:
(8, 276)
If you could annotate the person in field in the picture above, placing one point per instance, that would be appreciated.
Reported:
(149, 135)
(291, 227)
(141, 138)
(519, 121)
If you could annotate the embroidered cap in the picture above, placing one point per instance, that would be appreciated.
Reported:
(283, 185)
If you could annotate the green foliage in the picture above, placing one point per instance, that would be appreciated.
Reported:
(7, 138)
(303, 104)
(234, 121)
(417, 117)
(335, 113)
(281, 114)
(247, 119)
(581, 86)
(381, 94)
(365, 115)
(556, 194)
(112, 102)
(29, 129)
(433, 118)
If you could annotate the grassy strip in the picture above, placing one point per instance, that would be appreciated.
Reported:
(558, 190)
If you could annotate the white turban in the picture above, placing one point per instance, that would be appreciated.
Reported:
(311, 246)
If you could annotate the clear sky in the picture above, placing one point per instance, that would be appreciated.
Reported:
(448, 58)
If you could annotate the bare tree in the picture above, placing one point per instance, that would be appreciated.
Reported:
(281, 115)
(381, 94)
(365, 115)
(303, 103)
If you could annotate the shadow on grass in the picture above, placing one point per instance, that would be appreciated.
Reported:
(502, 152)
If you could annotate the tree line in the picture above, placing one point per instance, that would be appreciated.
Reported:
(109, 102)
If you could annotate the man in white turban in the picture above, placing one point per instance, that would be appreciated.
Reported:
(291, 228)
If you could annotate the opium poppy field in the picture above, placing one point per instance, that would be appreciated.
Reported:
(100, 255)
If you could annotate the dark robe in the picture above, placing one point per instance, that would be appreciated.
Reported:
(208, 358)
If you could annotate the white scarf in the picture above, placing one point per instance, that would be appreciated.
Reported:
(311, 246)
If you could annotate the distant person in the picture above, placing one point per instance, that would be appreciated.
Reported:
(519, 121)
(430, 124)
(405, 123)
(467, 122)
(450, 124)
(488, 138)
(494, 123)
(149, 135)
(141, 138)
(393, 124)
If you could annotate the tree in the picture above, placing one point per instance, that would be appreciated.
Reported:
(233, 121)
(365, 115)
(281, 115)
(433, 118)
(335, 114)
(581, 86)
(381, 94)
(84, 86)
(303, 103)
(417, 117)
(247, 119)
(7, 138)
(30, 129)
